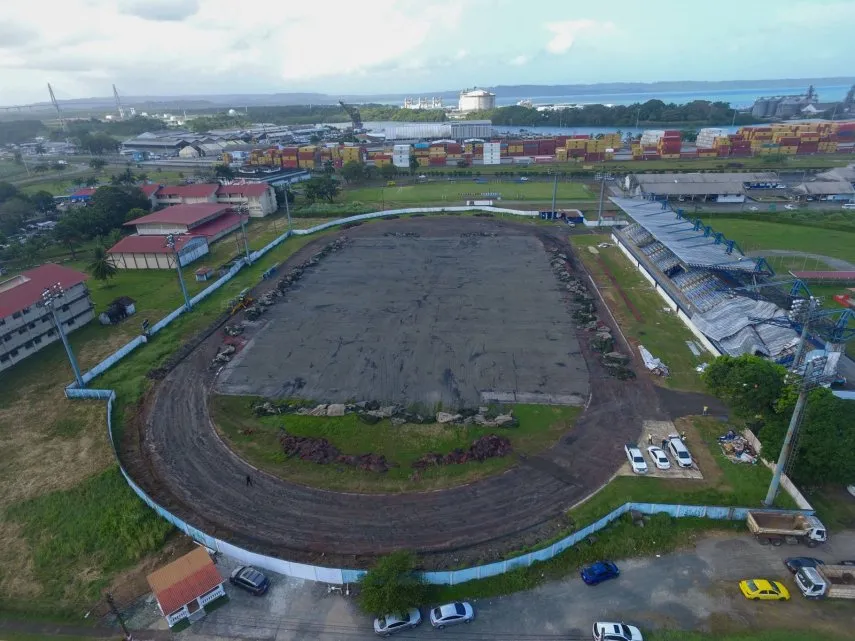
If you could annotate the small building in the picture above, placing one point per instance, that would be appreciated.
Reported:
(184, 587)
(258, 198)
(833, 190)
(150, 191)
(211, 220)
(187, 194)
(82, 196)
(26, 326)
(151, 251)
(204, 273)
(118, 310)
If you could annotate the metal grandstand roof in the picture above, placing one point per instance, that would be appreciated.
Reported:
(693, 189)
(692, 247)
(747, 177)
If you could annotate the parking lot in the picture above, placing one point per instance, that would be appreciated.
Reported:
(691, 590)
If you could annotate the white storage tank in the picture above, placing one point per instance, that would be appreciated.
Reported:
(476, 100)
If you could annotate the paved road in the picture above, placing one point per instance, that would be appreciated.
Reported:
(835, 263)
(186, 468)
(689, 590)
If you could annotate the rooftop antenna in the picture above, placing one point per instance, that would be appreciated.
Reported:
(56, 106)
(118, 104)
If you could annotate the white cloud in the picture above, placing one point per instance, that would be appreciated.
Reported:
(155, 46)
(565, 33)
(520, 61)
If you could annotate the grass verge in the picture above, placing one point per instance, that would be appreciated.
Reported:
(640, 312)
(256, 439)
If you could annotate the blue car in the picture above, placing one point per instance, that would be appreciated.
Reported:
(599, 572)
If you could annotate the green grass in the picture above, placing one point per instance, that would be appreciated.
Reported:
(759, 235)
(540, 427)
(82, 535)
(6, 635)
(834, 506)
(766, 635)
(620, 540)
(452, 192)
(663, 333)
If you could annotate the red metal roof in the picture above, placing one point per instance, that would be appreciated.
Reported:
(825, 275)
(182, 214)
(30, 285)
(190, 191)
(227, 221)
(249, 190)
(84, 191)
(148, 190)
(148, 244)
(177, 584)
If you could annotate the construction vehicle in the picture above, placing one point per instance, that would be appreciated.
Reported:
(355, 116)
(827, 581)
(786, 527)
(241, 301)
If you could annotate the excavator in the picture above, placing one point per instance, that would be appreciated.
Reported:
(355, 117)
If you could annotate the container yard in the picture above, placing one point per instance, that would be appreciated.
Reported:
(782, 139)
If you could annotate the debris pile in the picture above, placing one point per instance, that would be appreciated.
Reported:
(652, 363)
(737, 448)
(224, 355)
(234, 330)
(398, 234)
(485, 234)
(321, 451)
(489, 446)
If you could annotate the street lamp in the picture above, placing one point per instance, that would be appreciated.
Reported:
(50, 296)
(171, 242)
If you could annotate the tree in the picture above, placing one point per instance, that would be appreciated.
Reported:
(109, 207)
(320, 188)
(67, 233)
(749, 384)
(43, 201)
(329, 168)
(7, 191)
(39, 149)
(97, 164)
(388, 172)
(414, 165)
(392, 585)
(353, 172)
(14, 212)
(101, 267)
(125, 178)
(41, 168)
(224, 171)
(134, 213)
(92, 181)
(283, 194)
(58, 166)
(18, 158)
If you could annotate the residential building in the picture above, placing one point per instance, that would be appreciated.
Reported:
(25, 325)
(258, 199)
(184, 587)
(187, 194)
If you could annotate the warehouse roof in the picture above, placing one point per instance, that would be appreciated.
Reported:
(189, 215)
(755, 176)
(693, 189)
(839, 173)
(26, 288)
(678, 235)
(188, 577)
(825, 188)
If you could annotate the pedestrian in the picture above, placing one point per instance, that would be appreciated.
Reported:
(706, 410)
(664, 443)
(683, 436)
(650, 439)
(248, 480)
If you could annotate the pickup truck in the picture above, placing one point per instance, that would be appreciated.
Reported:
(827, 581)
(785, 527)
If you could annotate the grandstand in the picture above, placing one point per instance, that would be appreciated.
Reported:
(712, 282)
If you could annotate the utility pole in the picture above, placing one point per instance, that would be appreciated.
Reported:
(118, 615)
(554, 193)
(171, 243)
(50, 296)
(602, 193)
(287, 205)
(245, 240)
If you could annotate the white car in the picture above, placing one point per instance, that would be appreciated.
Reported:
(659, 458)
(754, 208)
(451, 614)
(635, 458)
(679, 451)
(790, 207)
(392, 623)
(616, 632)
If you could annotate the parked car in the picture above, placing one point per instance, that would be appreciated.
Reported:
(790, 207)
(636, 460)
(392, 623)
(848, 206)
(616, 632)
(764, 590)
(848, 562)
(451, 614)
(659, 458)
(248, 578)
(795, 562)
(679, 451)
(754, 208)
(599, 572)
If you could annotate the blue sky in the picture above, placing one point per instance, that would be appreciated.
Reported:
(158, 47)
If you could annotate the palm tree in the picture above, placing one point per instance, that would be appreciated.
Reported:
(102, 267)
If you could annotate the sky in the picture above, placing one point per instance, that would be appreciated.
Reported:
(193, 47)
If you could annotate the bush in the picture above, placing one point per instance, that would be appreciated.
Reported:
(392, 585)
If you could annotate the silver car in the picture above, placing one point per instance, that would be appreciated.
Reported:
(451, 614)
(392, 623)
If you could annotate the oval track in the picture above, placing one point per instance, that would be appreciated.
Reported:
(190, 471)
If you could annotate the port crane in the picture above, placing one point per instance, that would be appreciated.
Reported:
(355, 116)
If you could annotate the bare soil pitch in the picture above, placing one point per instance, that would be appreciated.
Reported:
(171, 450)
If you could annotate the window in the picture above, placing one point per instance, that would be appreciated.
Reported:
(16, 315)
(45, 319)
(2, 321)
(31, 325)
(26, 310)
(22, 330)
(28, 345)
(7, 338)
(51, 332)
(65, 308)
(37, 340)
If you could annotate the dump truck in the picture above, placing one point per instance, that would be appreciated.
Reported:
(827, 581)
(786, 527)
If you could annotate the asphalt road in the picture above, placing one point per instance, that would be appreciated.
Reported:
(692, 590)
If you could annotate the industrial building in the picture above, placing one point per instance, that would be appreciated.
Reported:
(476, 100)
(840, 191)
(458, 130)
(26, 326)
(722, 188)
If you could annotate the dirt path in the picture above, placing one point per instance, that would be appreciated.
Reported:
(175, 455)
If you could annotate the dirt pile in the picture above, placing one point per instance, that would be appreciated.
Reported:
(321, 451)
(489, 446)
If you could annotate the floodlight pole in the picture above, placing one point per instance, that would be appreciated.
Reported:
(602, 193)
(245, 240)
(554, 193)
(49, 297)
(287, 206)
(170, 242)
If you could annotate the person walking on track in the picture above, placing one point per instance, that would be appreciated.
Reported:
(248, 480)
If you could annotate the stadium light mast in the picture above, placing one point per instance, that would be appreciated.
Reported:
(554, 193)
(50, 296)
(171, 242)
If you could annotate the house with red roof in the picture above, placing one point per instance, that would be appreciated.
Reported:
(256, 199)
(152, 252)
(25, 325)
(187, 194)
(184, 587)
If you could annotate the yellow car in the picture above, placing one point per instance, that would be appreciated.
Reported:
(764, 590)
